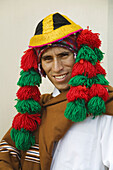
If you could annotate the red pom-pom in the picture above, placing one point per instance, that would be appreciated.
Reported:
(83, 67)
(76, 92)
(98, 90)
(26, 121)
(29, 60)
(88, 38)
(27, 92)
(99, 69)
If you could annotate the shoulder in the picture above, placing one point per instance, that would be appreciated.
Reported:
(109, 102)
(110, 88)
(110, 91)
(107, 119)
(7, 138)
(107, 125)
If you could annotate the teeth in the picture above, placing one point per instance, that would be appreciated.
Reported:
(60, 77)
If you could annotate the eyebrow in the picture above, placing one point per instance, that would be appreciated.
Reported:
(59, 54)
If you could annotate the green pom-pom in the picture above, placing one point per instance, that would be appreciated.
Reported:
(98, 53)
(86, 53)
(89, 82)
(96, 106)
(81, 80)
(23, 139)
(30, 106)
(78, 80)
(76, 111)
(100, 79)
(29, 78)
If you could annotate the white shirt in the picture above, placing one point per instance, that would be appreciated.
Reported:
(87, 145)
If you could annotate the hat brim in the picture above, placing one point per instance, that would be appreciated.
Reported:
(53, 36)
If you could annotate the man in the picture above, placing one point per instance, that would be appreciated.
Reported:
(76, 119)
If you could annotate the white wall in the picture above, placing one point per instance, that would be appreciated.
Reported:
(110, 41)
(18, 20)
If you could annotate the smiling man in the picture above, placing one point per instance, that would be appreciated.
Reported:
(57, 63)
(70, 129)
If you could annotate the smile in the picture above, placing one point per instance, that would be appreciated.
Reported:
(60, 77)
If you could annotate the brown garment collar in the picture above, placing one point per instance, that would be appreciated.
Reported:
(53, 100)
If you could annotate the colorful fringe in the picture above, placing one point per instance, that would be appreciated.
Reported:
(88, 93)
(28, 107)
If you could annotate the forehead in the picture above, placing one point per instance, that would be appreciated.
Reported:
(55, 50)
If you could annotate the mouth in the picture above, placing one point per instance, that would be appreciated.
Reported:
(60, 77)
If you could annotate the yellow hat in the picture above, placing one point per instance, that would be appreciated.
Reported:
(53, 28)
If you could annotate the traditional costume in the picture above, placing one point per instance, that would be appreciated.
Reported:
(71, 127)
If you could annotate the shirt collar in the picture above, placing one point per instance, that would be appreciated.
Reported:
(56, 92)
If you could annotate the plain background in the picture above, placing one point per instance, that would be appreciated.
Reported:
(18, 19)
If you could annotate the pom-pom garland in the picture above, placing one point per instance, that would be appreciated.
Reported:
(28, 97)
(26, 121)
(28, 92)
(76, 110)
(99, 53)
(100, 79)
(76, 92)
(78, 80)
(23, 138)
(29, 78)
(88, 38)
(96, 106)
(99, 69)
(98, 90)
(84, 67)
(87, 94)
(88, 83)
(30, 106)
(29, 60)
(86, 53)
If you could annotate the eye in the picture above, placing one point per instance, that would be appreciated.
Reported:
(64, 55)
(47, 58)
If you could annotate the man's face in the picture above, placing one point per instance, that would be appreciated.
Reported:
(57, 63)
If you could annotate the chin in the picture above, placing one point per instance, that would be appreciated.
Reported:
(62, 89)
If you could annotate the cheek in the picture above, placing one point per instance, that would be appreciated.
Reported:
(46, 67)
(70, 63)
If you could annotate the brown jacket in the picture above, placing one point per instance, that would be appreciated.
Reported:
(53, 127)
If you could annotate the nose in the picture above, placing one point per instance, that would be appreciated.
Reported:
(57, 65)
